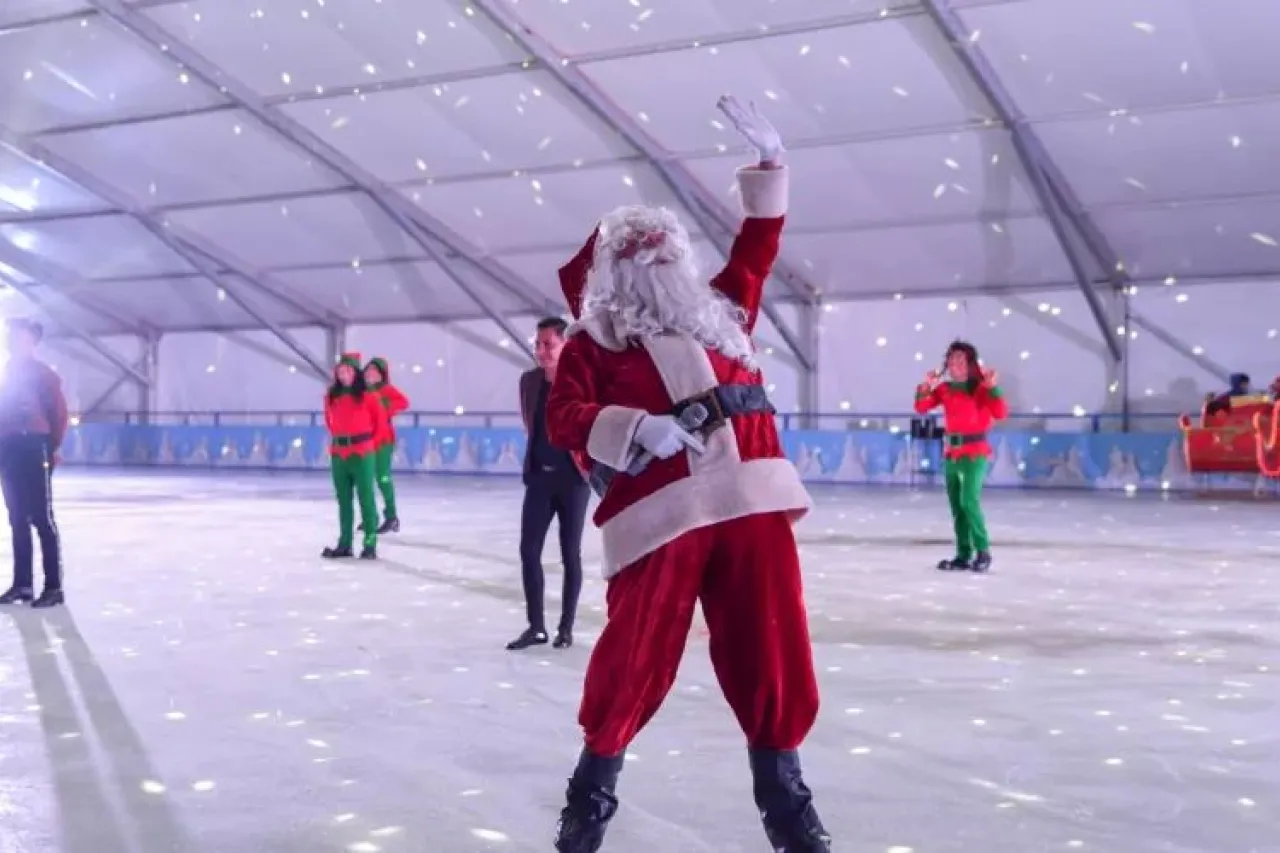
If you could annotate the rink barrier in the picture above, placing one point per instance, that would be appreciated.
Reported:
(1145, 461)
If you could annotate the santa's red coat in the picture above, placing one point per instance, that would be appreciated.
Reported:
(605, 386)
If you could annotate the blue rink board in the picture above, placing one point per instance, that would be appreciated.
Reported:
(1120, 461)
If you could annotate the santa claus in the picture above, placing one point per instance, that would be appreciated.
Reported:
(658, 383)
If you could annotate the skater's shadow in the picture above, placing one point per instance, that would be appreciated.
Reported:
(97, 761)
(476, 585)
(452, 550)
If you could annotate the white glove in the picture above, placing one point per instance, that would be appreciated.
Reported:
(663, 436)
(757, 129)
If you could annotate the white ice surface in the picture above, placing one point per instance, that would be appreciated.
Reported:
(1113, 686)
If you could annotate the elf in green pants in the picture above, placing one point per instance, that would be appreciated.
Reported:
(353, 415)
(971, 400)
(377, 378)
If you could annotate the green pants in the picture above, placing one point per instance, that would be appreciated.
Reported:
(355, 474)
(964, 491)
(382, 472)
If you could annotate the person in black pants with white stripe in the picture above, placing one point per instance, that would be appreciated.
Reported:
(555, 488)
(33, 421)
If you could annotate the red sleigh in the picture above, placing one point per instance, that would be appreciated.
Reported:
(1266, 433)
(1244, 439)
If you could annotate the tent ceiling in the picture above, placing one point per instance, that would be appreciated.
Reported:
(1163, 117)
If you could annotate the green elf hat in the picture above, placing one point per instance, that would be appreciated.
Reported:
(351, 359)
(383, 370)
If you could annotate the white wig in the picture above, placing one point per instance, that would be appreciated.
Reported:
(645, 282)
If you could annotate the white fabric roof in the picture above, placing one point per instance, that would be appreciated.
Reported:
(324, 150)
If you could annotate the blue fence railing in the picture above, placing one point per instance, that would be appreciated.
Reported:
(858, 448)
(1078, 421)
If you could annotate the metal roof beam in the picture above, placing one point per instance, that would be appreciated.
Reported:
(1031, 155)
(430, 234)
(74, 329)
(101, 400)
(716, 221)
(1179, 346)
(64, 283)
(191, 248)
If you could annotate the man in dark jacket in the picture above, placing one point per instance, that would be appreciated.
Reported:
(555, 487)
(1222, 403)
(33, 421)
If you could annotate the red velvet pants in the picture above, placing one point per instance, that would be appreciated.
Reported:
(746, 572)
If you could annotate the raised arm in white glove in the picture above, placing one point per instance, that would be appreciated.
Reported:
(663, 436)
(757, 129)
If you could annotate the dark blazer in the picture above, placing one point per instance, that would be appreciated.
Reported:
(530, 382)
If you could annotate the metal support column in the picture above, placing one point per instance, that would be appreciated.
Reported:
(1119, 388)
(122, 378)
(710, 215)
(151, 394)
(335, 344)
(1033, 159)
(808, 391)
(436, 240)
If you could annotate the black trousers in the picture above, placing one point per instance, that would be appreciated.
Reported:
(26, 473)
(546, 497)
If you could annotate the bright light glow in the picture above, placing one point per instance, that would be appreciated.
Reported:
(18, 199)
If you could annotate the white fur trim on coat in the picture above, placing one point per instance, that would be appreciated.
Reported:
(686, 371)
(612, 434)
(720, 486)
(600, 331)
(764, 192)
(746, 488)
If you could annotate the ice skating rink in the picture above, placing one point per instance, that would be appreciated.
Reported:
(214, 686)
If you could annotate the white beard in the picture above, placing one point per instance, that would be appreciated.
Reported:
(660, 291)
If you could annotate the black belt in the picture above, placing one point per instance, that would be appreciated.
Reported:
(721, 403)
(352, 440)
(959, 439)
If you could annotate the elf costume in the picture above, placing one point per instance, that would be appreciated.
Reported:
(352, 415)
(969, 407)
(393, 403)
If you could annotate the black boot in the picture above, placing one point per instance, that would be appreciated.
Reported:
(785, 803)
(590, 804)
(339, 553)
(18, 595)
(982, 562)
(391, 525)
(955, 564)
(564, 638)
(530, 637)
(369, 552)
(50, 598)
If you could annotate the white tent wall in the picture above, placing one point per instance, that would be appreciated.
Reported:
(413, 170)
(872, 353)
(88, 379)
(469, 366)
(1047, 348)
(1235, 325)
(249, 371)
